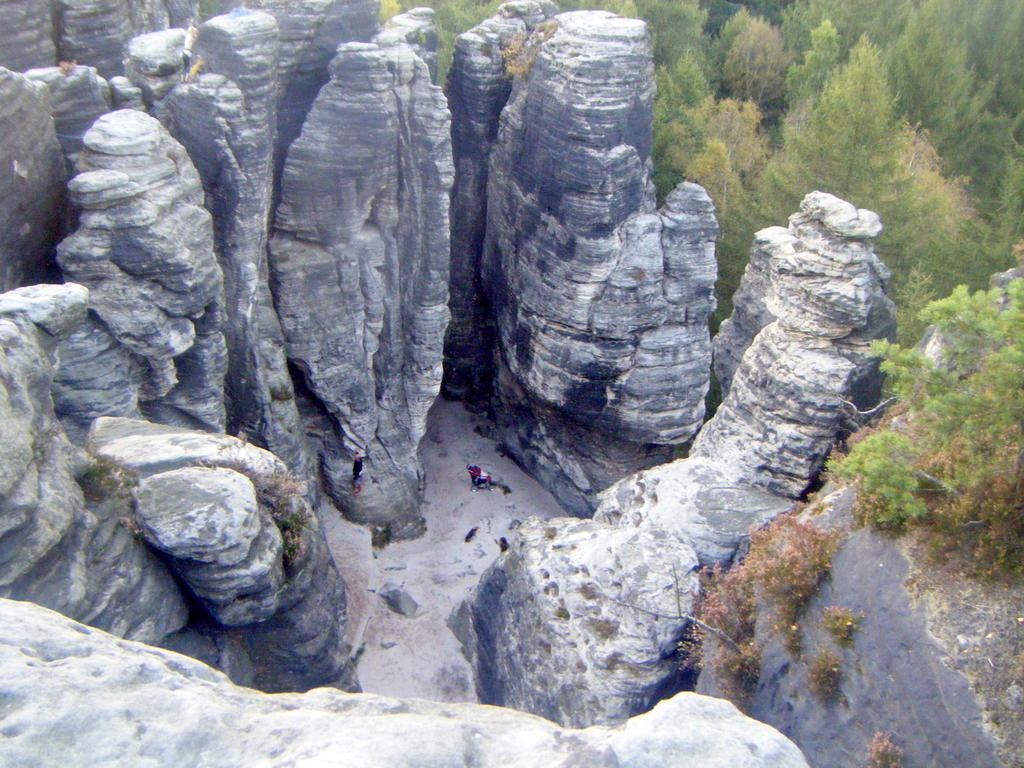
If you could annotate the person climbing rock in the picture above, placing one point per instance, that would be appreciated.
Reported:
(357, 467)
(478, 478)
(186, 52)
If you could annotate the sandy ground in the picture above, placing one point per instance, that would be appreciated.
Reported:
(420, 656)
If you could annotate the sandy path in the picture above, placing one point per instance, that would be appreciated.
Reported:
(420, 656)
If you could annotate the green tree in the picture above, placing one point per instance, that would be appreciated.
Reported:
(677, 135)
(755, 65)
(677, 29)
(807, 79)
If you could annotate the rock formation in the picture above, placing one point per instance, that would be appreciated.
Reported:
(359, 261)
(951, 701)
(236, 527)
(578, 621)
(153, 63)
(415, 27)
(144, 247)
(68, 687)
(26, 38)
(784, 409)
(478, 88)
(225, 119)
(77, 96)
(65, 533)
(600, 302)
(32, 176)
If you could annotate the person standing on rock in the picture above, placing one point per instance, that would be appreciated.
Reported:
(357, 468)
(186, 52)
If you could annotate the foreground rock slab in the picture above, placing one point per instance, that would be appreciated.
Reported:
(69, 689)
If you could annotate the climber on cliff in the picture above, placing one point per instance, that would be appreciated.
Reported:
(186, 53)
(357, 468)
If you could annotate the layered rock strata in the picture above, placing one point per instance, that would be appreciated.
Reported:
(144, 247)
(784, 410)
(478, 88)
(416, 28)
(70, 688)
(225, 119)
(601, 302)
(32, 177)
(359, 261)
(154, 62)
(77, 97)
(65, 531)
(579, 621)
(26, 38)
(236, 527)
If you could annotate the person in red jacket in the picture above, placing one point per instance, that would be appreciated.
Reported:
(478, 477)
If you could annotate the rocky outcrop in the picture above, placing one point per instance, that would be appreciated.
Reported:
(237, 528)
(600, 301)
(578, 621)
(226, 121)
(153, 63)
(784, 410)
(826, 291)
(69, 687)
(478, 88)
(359, 261)
(926, 663)
(144, 247)
(311, 32)
(65, 532)
(26, 38)
(416, 28)
(77, 96)
(95, 32)
(32, 175)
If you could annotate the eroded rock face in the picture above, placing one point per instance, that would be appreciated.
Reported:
(69, 551)
(226, 121)
(154, 62)
(91, 692)
(416, 28)
(26, 38)
(144, 246)
(359, 261)
(478, 88)
(578, 621)
(237, 528)
(601, 302)
(77, 96)
(826, 291)
(32, 174)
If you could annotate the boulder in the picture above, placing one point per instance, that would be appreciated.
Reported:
(144, 247)
(26, 38)
(237, 528)
(154, 62)
(225, 119)
(66, 538)
(578, 621)
(77, 96)
(601, 302)
(32, 173)
(69, 689)
(359, 263)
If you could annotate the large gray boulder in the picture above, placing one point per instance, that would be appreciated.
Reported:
(578, 621)
(78, 95)
(66, 537)
(601, 302)
(225, 119)
(237, 528)
(26, 37)
(153, 63)
(359, 262)
(72, 690)
(32, 173)
(144, 247)
(928, 663)
(478, 88)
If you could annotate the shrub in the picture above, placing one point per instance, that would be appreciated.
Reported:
(842, 624)
(104, 478)
(825, 673)
(883, 753)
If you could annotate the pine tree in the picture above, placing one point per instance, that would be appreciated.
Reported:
(807, 79)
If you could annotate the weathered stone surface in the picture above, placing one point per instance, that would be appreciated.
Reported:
(58, 548)
(77, 96)
(918, 665)
(578, 621)
(72, 690)
(144, 247)
(311, 32)
(196, 503)
(26, 37)
(478, 88)
(601, 302)
(32, 177)
(826, 291)
(95, 32)
(359, 262)
(226, 121)
(416, 28)
(154, 62)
